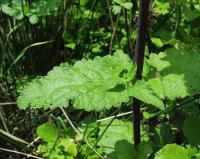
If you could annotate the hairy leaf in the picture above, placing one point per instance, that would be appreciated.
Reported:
(90, 84)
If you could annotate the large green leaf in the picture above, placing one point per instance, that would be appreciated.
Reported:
(178, 71)
(172, 151)
(90, 84)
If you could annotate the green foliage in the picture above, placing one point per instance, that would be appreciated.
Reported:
(63, 148)
(106, 79)
(162, 7)
(55, 147)
(86, 29)
(178, 71)
(20, 8)
(172, 151)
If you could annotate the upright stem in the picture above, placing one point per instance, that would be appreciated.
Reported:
(139, 58)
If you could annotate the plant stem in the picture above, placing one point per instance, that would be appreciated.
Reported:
(139, 58)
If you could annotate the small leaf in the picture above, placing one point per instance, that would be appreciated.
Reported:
(127, 5)
(33, 19)
(116, 9)
(71, 45)
(47, 132)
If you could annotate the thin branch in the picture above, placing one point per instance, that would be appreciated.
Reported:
(20, 153)
(119, 115)
(31, 144)
(114, 32)
(8, 103)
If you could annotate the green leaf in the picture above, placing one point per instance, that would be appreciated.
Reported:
(141, 91)
(127, 5)
(116, 9)
(33, 19)
(85, 84)
(191, 129)
(157, 41)
(144, 150)
(178, 71)
(71, 45)
(13, 12)
(162, 8)
(114, 133)
(172, 151)
(124, 150)
(47, 132)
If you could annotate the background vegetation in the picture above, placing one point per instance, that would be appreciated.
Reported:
(37, 35)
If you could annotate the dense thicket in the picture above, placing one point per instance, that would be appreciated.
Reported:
(67, 81)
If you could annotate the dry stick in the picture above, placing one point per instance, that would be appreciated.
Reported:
(119, 115)
(8, 103)
(76, 130)
(110, 13)
(20, 153)
(114, 32)
(139, 58)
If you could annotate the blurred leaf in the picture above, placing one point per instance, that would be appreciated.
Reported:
(144, 150)
(191, 129)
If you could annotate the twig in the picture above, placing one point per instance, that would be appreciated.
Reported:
(119, 115)
(21, 153)
(8, 103)
(114, 32)
(29, 145)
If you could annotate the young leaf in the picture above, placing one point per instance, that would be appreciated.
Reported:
(47, 132)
